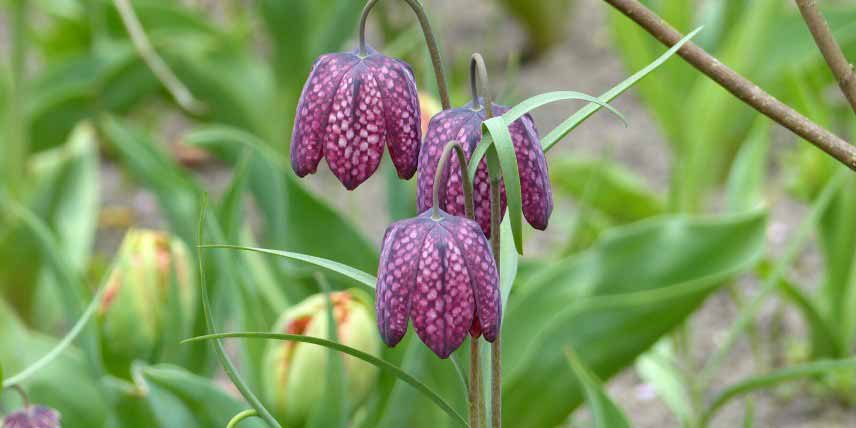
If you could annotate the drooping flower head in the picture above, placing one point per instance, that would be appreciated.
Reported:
(33, 417)
(464, 124)
(351, 106)
(440, 273)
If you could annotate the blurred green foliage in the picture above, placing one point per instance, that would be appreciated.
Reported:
(76, 98)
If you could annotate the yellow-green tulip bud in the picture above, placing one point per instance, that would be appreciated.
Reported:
(150, 295)
(295, 372)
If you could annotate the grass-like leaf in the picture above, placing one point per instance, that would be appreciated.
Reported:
(606, 414)
(572, 122)
(228, 367)
(498, 131)
(774, 378)
(539, 100)
(361, 277)
(371, 359)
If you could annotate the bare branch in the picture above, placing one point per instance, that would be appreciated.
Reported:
(738, 85)
(841, 68)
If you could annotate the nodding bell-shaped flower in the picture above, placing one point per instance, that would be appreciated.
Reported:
(33, 417)
(439, 272)
(351, 106)
(465, 124)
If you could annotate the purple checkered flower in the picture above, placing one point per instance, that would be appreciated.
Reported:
(464, 124)
(33, 417)
(350, 107)
(441, 274)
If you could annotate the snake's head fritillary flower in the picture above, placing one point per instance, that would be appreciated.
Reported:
(350, 107)
(440, 273)
(294, 372)
(33, 417)
(150, 291)
(464, 124)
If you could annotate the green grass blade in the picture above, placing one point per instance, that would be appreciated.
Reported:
(499, 133)
(605, 412)
(361, 277)
(228, 367)
(57, 350)
(774, 378)
(371, 359)
(572, 122)
(532, 103)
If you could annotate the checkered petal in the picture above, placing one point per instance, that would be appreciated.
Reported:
(356, 129)
(33, 417)
(442, 305)
(399, 258)
(401, 111)
(313, 110)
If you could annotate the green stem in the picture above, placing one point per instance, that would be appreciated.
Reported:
(475, 383)
(430, 42)
(496, 349)
(478, 74)
(465, 179)
(246, 414)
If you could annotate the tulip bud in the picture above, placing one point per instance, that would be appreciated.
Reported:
(33, 417)
(294, 376)
(149, 295)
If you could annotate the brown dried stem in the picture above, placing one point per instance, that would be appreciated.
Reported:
(738, 85)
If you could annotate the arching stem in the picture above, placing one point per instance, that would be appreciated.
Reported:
(478, 76)
(430, 41)
(475, 384)
(465, 179)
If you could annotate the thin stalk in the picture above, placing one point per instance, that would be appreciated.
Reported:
(478, 75)
(496, 347)
(465, 179)
(838, 64)
(475, 383)
(739, 86)
(158, 66)
(430, 42)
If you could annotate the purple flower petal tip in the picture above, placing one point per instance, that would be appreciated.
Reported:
(33, 417)
(464, 125)
(439, 273)
(351, 107)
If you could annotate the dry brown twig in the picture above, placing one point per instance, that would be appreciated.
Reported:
(738, 85)
(838, 64)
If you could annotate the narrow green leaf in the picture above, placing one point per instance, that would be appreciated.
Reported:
(507, 263)
(60, 346)
(228, 367)
(371, 359)
(498, 131)
(572, 122)
(792, 250)
(536, 101)
(774, 378)
(606, 413)
(361, 277)
(746, 179)
(659, 368)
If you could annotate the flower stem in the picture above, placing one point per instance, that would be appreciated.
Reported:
(478, 75)
(430, 42)
(496, 347)
(465, 179)
(475, 383)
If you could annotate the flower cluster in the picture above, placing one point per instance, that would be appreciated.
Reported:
(437, 269)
